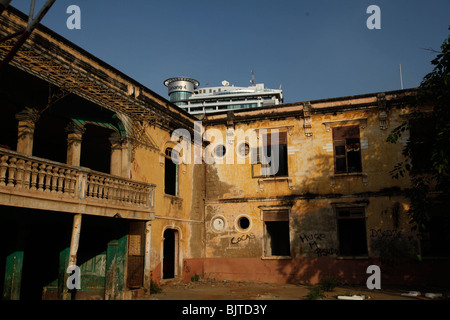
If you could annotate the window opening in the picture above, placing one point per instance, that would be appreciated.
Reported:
(352, 231)
(276, 235)
(347, 149)
(171, 172)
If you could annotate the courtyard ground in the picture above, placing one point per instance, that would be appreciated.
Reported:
(206, 289)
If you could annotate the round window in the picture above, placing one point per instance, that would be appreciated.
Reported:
(220, 150)
(244, 149)
(243, 223)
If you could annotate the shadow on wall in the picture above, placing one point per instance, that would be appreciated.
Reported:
(309, 271)
(394, 271)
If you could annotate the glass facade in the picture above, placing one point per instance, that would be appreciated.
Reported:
(243, 106)
(180, 95)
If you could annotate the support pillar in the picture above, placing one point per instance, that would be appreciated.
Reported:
(27, 119)
(116, 154)
(147, 254)
(120, 155)
(74, 242)
(62, 273)
(74, 137)
(126, 158)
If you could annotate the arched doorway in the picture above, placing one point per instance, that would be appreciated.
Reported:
(170, 254)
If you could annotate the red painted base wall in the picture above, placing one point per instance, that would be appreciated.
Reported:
(311, 270)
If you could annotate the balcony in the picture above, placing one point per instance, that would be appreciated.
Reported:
(31, 182)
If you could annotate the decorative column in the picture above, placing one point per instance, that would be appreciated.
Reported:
(307, 119)
(75, 133)
(27, 119)
(382, 111)
(126, 158)
(120, 155)
(116, 154)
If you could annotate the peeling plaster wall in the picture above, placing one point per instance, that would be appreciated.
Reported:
(310, 193)
(183, 212)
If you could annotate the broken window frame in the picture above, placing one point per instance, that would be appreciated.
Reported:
(349, 143)
(264, 150)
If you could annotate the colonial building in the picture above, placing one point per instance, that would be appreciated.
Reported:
(89, 178)
(83, 150)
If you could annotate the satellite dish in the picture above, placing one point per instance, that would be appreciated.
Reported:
(225, 83)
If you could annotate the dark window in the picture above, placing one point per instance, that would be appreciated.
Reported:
(352, 231)
(273, 155)
(244, 223)
(170, 253)
(276, 238)
(171, 173)
(347, 149)
(436, 238)
(422, 133)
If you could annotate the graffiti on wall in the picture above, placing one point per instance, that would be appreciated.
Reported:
(245, 237)
(314, 240)
(378, 233)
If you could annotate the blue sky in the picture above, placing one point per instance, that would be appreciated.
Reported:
(314, 49)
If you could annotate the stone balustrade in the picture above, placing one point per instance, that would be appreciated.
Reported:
(28, 173)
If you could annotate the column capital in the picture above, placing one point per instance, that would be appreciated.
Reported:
(117, 140)
(74, 127)
(28, 114)
(27, 119)
(75, 133)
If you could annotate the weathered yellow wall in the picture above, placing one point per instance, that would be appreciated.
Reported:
(310, 221)
(184, 212)
(312, 191)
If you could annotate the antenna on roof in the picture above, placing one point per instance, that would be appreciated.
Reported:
(401, 78)
(253, 78)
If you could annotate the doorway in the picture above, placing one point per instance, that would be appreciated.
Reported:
(170, 252)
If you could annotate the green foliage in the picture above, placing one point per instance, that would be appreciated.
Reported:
(195, 278)
(328, 283)
(428, 161)
(315, 293)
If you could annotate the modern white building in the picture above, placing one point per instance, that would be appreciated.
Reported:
(185, 93)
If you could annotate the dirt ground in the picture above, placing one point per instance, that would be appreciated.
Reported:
(206, 289)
